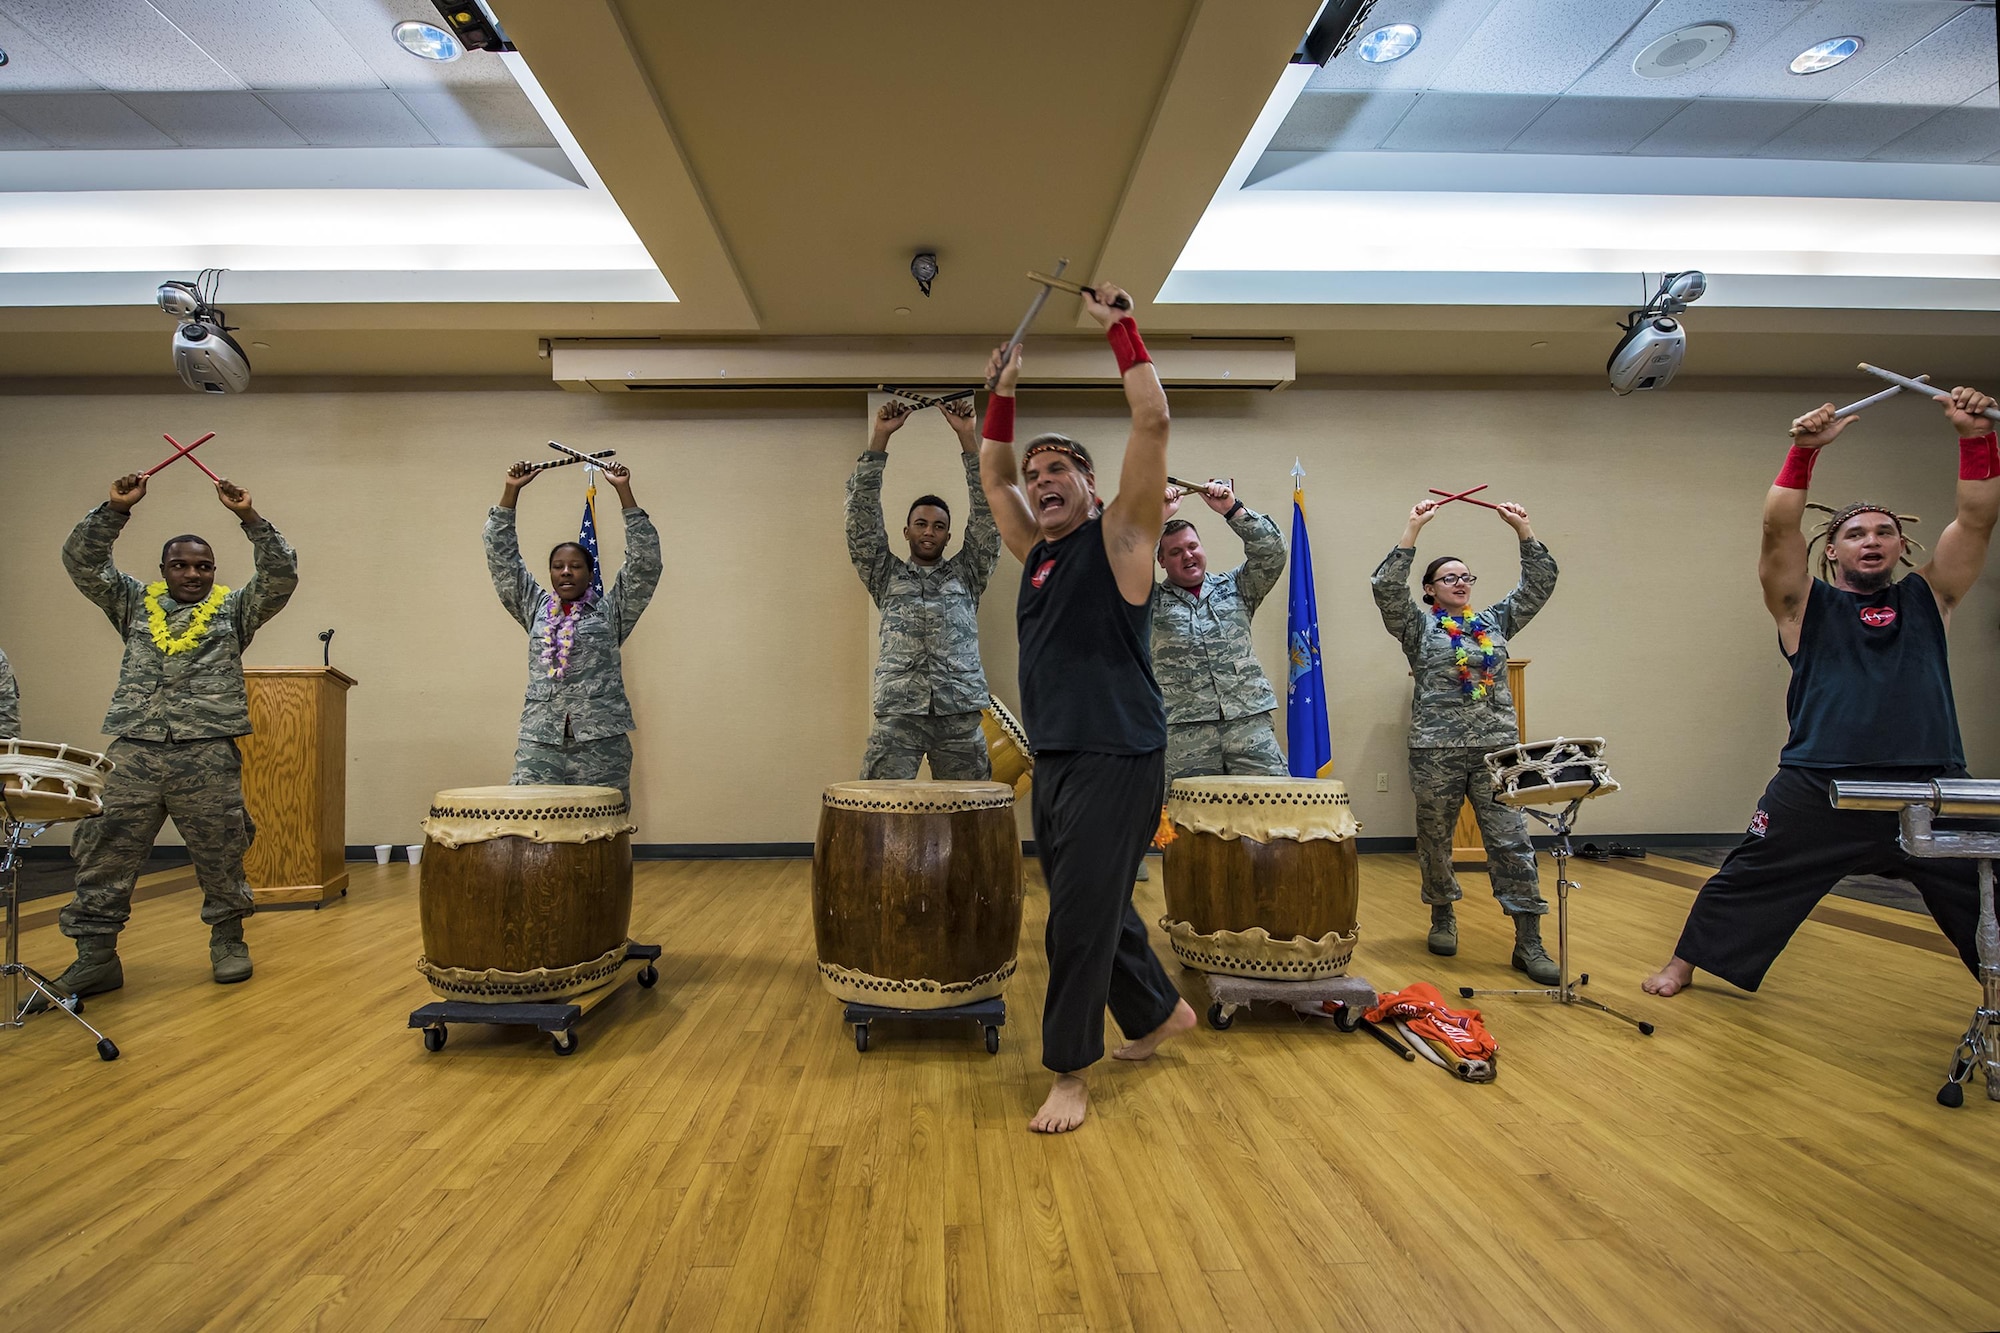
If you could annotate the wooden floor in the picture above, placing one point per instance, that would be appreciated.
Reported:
(285, 1154)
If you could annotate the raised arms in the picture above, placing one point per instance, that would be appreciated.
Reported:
(1961, 549)
(1781, 561)
(1133, 520)
(999, 477)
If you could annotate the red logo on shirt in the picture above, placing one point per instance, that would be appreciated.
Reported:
(1760, 824)
(1048, 567)
(1878, 616)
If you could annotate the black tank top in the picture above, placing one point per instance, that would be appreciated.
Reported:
(1870, 682)
(1086, 653)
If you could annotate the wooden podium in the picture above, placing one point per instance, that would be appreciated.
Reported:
(1468, 849)
(295, 784)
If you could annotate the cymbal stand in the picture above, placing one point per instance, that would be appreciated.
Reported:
(18, 834)
(1564, 991)
(1979, 1048)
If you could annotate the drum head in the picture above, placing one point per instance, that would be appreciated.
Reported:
(893, 796)
(462, 815)
(1262, 808)
(1553, 772)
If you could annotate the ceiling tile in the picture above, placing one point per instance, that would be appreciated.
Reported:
(1956, 134)
(125, 45)
(33, 65)
(1445, 25)
(272, 43)
(1845, 131)
(481, 118)
(1323, 122)
(215, 120)
(84, 120)
(366, 24)
(1887, 30)
(13, 136)
(1944, 69)
(350, 120)
(1537, 46)
(1463, 123)
(1754, 21)
(1711, 127)
(1596, 124)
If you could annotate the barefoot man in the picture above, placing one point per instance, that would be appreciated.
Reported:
(1870, 699)
(1093, 710)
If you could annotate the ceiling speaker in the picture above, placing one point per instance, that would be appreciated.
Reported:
(1682, 50)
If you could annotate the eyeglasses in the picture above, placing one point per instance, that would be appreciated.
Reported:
(1467, 579)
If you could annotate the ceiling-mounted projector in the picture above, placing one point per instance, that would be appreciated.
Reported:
(205, 356)
(1649, 355)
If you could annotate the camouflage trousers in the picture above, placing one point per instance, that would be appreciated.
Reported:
(599, 763)
(1228, 745)
(1446, 778)
(199, 783)
(953, 741)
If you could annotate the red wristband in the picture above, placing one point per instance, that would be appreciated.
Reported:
(1979, 457)
(999, 425)
(1796, 474)
(1126, 344)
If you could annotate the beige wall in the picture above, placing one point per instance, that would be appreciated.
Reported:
(749, 675)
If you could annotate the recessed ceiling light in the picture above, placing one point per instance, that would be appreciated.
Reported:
(427, 41)
(1682, 50)
(1833, 51)
(1389, 43)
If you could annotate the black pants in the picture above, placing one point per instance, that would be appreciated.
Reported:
(1094, 816)
(1797, 849)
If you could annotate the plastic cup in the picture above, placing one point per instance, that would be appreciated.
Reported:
(382, 853)
(416, 851)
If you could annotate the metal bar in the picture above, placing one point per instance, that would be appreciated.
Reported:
(1917, 386)
(1872, 399)
(1978, 797)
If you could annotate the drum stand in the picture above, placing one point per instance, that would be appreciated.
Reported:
(1979, 1048)
(18, 834)
(1564, 991)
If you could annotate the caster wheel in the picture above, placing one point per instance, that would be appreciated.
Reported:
(1951, 1094)
(1218, 1019)
(1465, 992)
(433, 1039)
(649, 976)
(993, 1041)
(107, 1051)
(1347, 1018)
(1645, 1029)
(564, 1043)
(860, 1036)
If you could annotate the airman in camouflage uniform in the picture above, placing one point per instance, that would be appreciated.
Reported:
(929, 684)
(1219, 702)
(1452, 728)
(10, 700)
(575, 717)
(175, 716)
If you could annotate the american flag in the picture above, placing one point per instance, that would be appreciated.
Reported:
(587, 538)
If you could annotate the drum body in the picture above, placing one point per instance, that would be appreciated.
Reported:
(1550, 772)
(526, 892)
(46, 782)
(1007, 745)
(917, 892)
(1262, 879)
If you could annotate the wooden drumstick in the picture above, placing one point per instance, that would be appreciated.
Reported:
(1872, 399)
(185, 451)
(1021, 329)
(568, 462)
(1124, 302)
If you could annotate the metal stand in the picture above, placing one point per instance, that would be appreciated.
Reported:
(989, 1014)
(19, 834)
(1564, 991)
(558, 1018)
(1979, 1048)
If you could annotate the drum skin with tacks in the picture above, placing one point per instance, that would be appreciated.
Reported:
(526, 892)
(47, 782)
(1262, 879)
(917, 892)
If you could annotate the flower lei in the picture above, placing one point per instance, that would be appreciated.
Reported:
(1459, 629)
(559, 636)
(156, 618)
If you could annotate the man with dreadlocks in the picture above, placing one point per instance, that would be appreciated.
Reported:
(1870, 698)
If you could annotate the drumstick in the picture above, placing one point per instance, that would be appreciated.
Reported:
(184, 451)
(1872, 399)
(1918, 386)
(1191, 487)
(1021, 330)
(567, 462)
(1380, 1035)
(578, 456)
(1123, 302)
(924, 400)
(1421, 1046)
(1465, 496)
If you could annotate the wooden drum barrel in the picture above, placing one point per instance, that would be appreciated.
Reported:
(526, 892)
(1261, 877)
(917, 892)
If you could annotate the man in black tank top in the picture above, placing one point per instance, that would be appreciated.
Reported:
(1870, 698)
(1092, 710)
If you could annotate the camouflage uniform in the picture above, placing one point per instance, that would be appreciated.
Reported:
(175, 719)
(573, 726)
(10, 700)
(929, 684)
(1451, 732)
(1219, 702)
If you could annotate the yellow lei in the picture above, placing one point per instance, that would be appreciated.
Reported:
(156, 618)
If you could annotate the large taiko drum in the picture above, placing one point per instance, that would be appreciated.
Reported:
(1262, 879)
(47, 782)
(1007, 748)
(917, 892)
(526, 892)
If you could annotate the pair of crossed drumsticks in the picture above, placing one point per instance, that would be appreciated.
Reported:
(1465, 496)
(184, 451)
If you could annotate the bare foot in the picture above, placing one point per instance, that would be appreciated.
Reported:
(1674, 977)
(1068, 1103)
(1179, 1021)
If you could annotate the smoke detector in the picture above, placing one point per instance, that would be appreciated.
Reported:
(1683, 50)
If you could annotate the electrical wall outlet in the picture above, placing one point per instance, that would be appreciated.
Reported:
(1381, 782)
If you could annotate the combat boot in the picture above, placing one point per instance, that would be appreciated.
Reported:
(95, 971)
(1444, 930)
(1529, 955)
(227, 953)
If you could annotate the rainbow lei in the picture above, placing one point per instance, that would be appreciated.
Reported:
(559, 636)
(156, 618)
(1474, 685)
